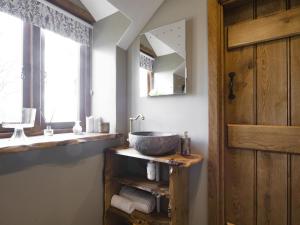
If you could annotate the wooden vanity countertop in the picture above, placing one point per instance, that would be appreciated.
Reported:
(174, 159)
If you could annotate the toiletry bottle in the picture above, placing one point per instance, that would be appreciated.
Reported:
(151, 170)
(186, 145)
(77, 129)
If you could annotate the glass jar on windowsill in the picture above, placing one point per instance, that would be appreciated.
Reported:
(48, 131)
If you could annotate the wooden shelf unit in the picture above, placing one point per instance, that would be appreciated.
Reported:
(140, 218)
(156, 188)
(174, 191)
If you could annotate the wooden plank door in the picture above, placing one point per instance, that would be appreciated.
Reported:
(262, 187)
(239, 193)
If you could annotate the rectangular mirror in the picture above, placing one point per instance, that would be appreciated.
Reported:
(163, 61)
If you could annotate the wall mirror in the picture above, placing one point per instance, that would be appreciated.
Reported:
(163, 61)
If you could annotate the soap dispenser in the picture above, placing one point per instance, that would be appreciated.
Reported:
(186, 145)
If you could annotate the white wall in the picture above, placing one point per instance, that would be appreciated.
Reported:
(180, 113)
(106, 34)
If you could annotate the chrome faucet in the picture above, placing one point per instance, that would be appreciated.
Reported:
(131, 119)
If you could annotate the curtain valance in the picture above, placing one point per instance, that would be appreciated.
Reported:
(146, 62)
(45, 15)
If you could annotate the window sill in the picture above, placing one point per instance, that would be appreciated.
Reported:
(44, 142)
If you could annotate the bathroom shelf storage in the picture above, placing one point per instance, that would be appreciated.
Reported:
(126, 166)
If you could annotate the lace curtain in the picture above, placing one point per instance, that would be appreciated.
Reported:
(44, 15)
(146, 62)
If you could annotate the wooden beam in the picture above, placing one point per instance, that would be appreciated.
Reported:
(74, 9)
(215, 167)
(226, 2)
(280, 25)
(284, 139)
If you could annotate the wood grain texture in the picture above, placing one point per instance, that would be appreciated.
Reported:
(137, 218)
(179, 206)
(272, 104)
(215, 168)
(272, 83)
(157, 188)
(267, 7)
(227, 2)
(45, 142)
(237, 13)
(272, 189)
(239, 193)
(74, 9)
(295, 192)
(239, 186)
(295, 3)
(232, 3)
(295, 121)
(175, 159)
(285, 139)
(241, 109)
(295, 80)
(115, 176)
(280, 25)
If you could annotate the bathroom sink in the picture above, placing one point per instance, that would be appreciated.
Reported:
(154, 143)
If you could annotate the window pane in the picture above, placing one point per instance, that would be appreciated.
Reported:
(11, 63)
(62, 76)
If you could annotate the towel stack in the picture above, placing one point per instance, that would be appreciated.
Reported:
(122, 203)
(132, 198)
(93, 124)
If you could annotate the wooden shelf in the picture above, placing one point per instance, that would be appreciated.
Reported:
(173, 160)
(176, 190)
(153, 218)
(160, 188)
(44, 142)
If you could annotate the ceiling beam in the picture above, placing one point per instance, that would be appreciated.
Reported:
(74, 9)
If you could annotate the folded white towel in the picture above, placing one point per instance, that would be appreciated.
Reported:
(122, 203)
(90, 124)
(97, 124)
(143, 201)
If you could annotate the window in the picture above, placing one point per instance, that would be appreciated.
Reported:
(61, 78)
(43, 70)
(11, 67)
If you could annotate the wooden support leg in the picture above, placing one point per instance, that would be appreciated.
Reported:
(179, 195)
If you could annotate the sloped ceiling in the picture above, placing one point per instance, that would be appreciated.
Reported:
(99, 8)
(138, 11)
(158, 46)
(168, 39)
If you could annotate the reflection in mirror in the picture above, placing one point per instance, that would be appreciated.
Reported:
(163, 61)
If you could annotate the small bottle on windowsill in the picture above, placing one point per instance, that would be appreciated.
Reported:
(48, 131)
(77, 129)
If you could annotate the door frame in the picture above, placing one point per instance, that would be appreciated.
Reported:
(216, 116)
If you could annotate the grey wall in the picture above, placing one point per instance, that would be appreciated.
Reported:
(106, 34)
(61, 186)
(121, 102)
(167, 63)
(180, 113)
